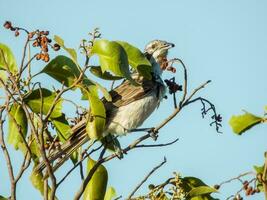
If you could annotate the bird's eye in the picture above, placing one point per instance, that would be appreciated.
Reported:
(153, 46)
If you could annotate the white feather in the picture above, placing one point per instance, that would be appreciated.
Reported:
(132, 115)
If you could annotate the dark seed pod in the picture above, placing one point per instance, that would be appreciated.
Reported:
(151, 186)
(217, 187)
(56, 47)
(7, 25)
(245, 185)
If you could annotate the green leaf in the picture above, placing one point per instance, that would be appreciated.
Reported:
(242, 123)
(7, 59)
(36, 154)
(71, 51)
(3, 76)
(64, 131)
(110, 193)
(96, 70)
(18, 125)
(203, 197)
(63, 69)
(201, 190)
(97, 117)
(91, 86)
(137, 60)
(259, 169)
(113, 57)
(34, 101)
(3, 198)
(62, 126)
(193, 181)
(38, 183)
(96, 188)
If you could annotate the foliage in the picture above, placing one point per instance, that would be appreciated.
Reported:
(180, 188)
(40, 129)
(241, 123)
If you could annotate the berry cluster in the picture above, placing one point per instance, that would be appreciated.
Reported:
(39, 38)
(172, 86)
(249, 190)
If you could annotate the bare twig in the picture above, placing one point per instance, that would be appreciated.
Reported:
(146, 177)
(157, 145)
(8, 160)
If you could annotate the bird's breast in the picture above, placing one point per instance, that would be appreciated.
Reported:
(133, 115)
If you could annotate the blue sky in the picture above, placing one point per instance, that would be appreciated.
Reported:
(224, 41)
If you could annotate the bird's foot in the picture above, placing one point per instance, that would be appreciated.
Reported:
(153, 133)
(119, 153)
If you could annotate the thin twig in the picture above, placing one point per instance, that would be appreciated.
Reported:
(146, 177)
(8, 160)
(157, 145)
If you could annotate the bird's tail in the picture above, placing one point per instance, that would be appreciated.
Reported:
(77, 139)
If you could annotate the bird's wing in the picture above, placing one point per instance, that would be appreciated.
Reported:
(127, 93)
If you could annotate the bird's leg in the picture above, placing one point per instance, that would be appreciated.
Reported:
(153, 133)
(113, 144)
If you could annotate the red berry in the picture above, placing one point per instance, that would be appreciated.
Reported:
(46, 58)
(35, 44)
(38, 57)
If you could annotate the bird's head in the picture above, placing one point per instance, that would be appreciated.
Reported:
(156, 52)
(158, 48)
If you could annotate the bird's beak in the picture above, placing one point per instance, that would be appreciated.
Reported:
(171, 45)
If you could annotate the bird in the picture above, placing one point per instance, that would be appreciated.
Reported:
(131, 105)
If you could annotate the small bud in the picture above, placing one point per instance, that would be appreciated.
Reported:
(151, 186)
(217, 187)
(7, 25)
(16, 33)
(56, 47)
